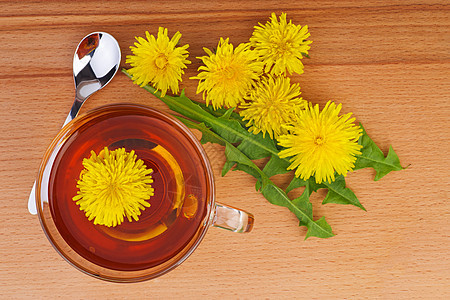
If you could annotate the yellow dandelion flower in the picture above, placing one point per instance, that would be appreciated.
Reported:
(158, 61)
(272, 105)
(322, 143)
(281, 45)
(227, 74)
(113, 184)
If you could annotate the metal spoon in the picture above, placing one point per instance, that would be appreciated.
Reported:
(95, 63)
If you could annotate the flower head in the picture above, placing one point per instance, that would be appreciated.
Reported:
(227, 74)
(322, 143)
(281, 45)
(158, 61)
(113, 185)
(272, 105)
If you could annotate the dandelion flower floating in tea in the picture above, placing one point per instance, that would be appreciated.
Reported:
(158, 61)
(321, 143)
(281, 45)
(113, 185)
(272, 104)
(228, 74)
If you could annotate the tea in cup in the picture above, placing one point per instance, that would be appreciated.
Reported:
(181, 209)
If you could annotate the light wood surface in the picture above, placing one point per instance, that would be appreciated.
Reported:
(388, 62)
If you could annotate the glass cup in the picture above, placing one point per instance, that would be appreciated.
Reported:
(182, 208)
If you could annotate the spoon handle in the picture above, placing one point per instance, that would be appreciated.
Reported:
(75, 109)
(32, 201)
(72, 114)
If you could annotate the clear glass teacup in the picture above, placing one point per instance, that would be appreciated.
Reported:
(182, 208)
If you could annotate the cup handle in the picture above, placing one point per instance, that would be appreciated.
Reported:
(232, 219)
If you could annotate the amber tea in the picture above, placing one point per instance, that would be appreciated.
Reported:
(177, 207)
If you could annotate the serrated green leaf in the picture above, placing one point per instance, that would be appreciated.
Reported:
(251, 171)
(258, 185)
(227, 167)
(234, 154)
(247, 146)
(227, 113)
(297, 182)
(372, 157)
(229, 133)
(275, 166)
(277, 196)
(220, 112)
(241, 147)
(304, 203)
(207, 135)
(230, 129)
(274, 194)
(338, 193)
(305, 55)
(322, 226)
(313, 185)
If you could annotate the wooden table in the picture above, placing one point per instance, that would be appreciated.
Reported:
(388, 62)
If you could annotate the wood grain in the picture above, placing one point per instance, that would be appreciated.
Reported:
(387, 61)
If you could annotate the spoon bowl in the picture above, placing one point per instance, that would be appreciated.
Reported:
(95, 62)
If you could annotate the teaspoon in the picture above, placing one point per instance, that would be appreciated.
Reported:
(95, 63)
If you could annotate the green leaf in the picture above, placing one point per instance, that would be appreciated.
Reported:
(302, 208)
(277, 196)
(247, 146)
(322, 226)
(304, 203)
(298, 182)
(227, 167)
(255, 146)
(221, 111)
(258, 185)
(338, 193)
(207, 135)
(226, 127)
(275, 166)
(229, 134)
(372, 157)
(227, 113)
(251, 171)
(295, 183)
